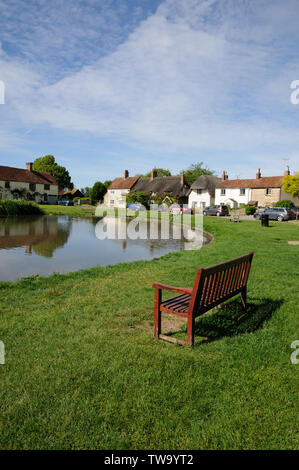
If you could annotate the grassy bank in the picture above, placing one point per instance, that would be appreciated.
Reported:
(83, 371)
(81, 211)
(15, 208)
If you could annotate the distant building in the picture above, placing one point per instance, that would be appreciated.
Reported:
(202, 192)
(28, 185)
(69, 194)
(118, 189)
(261, 191)
(171, 186)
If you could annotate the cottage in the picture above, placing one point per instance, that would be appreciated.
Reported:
(202, 192)
(30, 185)
(69, 194)
(118, 189)
(163, 186)
(168, 186)
(261, 191)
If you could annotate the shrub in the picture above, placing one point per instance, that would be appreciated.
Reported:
(13, 208)
(250, 210)
(285, 203)
(138, 197)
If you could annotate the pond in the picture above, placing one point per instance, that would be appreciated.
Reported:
(47, 244)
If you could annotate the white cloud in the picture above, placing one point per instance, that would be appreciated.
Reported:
(195, 75)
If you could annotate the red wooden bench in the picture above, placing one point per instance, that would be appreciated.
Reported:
(212, 286)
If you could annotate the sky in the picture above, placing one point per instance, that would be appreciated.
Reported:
(109, 85)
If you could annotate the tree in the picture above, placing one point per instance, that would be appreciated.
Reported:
(47, 164)
(160, 173)
(291, 184)
(85, 191)
(97, 192)
(107, 183)
(138, 197)
(285, 203)
(194, 171)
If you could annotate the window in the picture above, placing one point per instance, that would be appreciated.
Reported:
(222, 192)
(111, 191)
(7, 184)
(199, 191)
(32, 186)
(47, 187)
(15, 196)
(268, 191)
(111, 201)
(242, 192)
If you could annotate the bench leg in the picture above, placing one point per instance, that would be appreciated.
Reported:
(157, 319)
(244, 298)
(190, 330)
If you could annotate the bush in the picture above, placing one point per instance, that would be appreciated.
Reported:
(250, 210)
(138, 197)
(13, 208)
(285, 203)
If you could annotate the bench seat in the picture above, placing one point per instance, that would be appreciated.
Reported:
(212, 286)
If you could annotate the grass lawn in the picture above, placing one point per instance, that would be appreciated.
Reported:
(83, 370)
(68, 210)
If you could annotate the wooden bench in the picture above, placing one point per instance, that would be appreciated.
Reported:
(212, 286)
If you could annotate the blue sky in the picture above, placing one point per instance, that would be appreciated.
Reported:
(111, 85)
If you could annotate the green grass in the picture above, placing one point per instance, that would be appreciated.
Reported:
(84, 372)
(16, 208)
(68, 210)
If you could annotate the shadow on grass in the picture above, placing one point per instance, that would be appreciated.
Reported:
(231, 320)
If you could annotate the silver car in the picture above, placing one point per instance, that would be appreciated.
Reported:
(276, 213)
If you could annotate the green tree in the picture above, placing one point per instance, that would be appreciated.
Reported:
(160, 173)
(285, 203)
(291, 184)
(85, 191)
(194, 171)
(138, 197)
(107, 183)
(48, 164)
(97, 192)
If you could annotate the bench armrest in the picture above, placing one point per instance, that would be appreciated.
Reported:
(180, 290)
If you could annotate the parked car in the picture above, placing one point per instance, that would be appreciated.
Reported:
(276, 213)
(218, 210)
(65, 203)
(295, 211)
(179, 209)
(134, 206)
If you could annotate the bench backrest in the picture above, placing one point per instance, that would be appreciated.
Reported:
(218, 283)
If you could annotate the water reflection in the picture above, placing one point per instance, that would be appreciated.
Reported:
(43, 235)
(48, 244)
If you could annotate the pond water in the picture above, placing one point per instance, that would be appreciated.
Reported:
(47, 244)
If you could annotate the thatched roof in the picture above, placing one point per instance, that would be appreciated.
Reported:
(161, 185)
(206, 183)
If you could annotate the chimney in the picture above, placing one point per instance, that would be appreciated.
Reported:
(287, 172)
(258, 174)
(154, 174)
(29, 166)
(126, 174)
(224, 176)
(182, 178)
